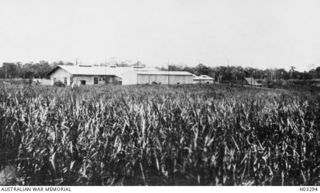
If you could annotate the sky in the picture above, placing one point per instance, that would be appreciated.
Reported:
(255, 33)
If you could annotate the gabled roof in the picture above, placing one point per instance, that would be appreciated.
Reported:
(202, 77)
(170, 73)
(91, 70)
(97, 70)
(115, 71)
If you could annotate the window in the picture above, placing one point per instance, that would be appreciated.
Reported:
(83, 82)
(65, 80)
(95, 80)
(71, 81)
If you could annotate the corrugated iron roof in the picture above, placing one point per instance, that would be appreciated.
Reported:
(202, 77)
(171, 73)
(98, 70)
(116, 71)
(94, 70)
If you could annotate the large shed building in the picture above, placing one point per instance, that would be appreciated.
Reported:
(96, 75)
(157, 77)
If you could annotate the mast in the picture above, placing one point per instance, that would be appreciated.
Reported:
(168, 72)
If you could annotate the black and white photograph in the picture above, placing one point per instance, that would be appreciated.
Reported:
(160, 93)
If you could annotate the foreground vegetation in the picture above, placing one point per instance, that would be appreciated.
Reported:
(158, 135)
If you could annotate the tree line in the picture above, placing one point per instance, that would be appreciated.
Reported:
(219, 73)
(236, 73)
(28, 70)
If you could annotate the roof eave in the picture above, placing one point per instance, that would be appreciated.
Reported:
(53, 70)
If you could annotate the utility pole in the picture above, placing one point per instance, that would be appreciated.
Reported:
(229, 73)
(168, 73)
(77, 79)
(105, 71)
(137, 71)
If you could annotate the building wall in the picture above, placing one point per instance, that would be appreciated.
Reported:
(203, 81)
(129, 78)
(42, 81)
(90, 80)
(60, 75)
(164, 79)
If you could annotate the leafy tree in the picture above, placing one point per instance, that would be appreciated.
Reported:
(11, 70)
(202, 70)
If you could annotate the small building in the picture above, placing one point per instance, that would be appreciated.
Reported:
(41, 81)
(203, 79)
(252, 82)
(97, 75)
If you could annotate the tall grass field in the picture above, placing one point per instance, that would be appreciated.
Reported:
(158, 135)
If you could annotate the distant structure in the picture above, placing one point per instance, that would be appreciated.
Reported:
(203, 79)
(41, 81)
(251, 81)
(97, 75)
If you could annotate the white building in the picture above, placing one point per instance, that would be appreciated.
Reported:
(84, 75)
(157, 77)
(251, 81)
(203, 79)
(97, 75)
(41, 81)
